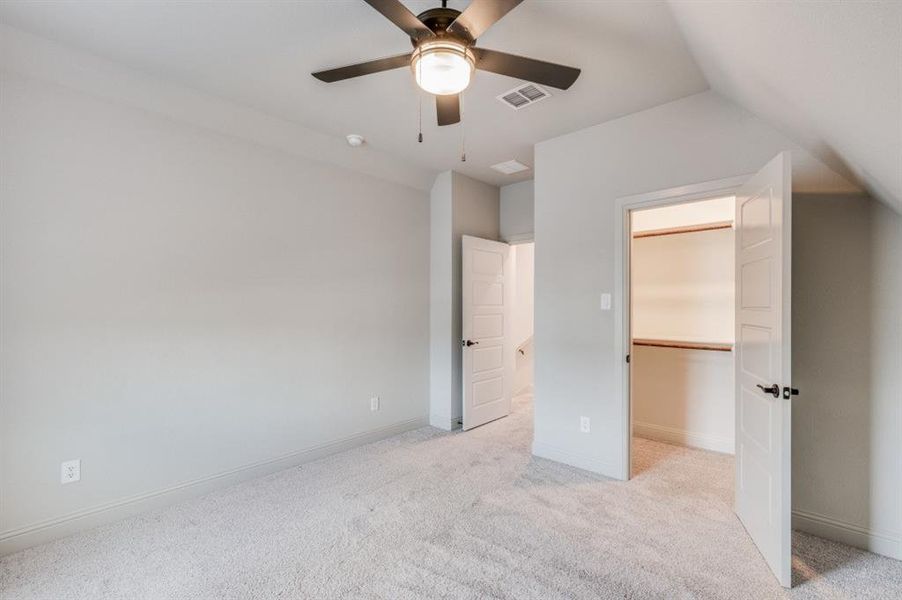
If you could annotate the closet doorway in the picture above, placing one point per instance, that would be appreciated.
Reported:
(682, 310)
(761, 357)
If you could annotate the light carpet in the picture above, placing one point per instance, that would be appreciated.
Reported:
(430, 514)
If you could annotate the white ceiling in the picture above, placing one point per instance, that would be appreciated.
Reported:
(260, 54)
(828, 73)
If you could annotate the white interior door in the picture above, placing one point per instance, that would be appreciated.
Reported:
(762, 355)
(488, 361)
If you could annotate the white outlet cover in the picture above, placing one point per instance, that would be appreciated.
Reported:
(374, 403)
(584, 425)
(70, 471)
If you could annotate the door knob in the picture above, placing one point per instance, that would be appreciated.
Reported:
(774, 390)
(469, 343)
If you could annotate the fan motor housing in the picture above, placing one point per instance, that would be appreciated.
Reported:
(438, 20)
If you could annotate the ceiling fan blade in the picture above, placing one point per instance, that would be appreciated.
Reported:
(448, 109)
(398, 14)
(373, 66)
(480, 15)
(528, 69)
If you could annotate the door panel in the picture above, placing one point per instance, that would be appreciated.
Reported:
(762, 358)
(487, 359)
(488, 364)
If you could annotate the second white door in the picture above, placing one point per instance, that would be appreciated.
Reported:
(488, 361)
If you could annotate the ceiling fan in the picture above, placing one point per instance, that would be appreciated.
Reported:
(445, 55)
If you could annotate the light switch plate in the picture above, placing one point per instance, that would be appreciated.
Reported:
(605, 301)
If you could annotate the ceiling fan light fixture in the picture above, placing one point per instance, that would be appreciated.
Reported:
(442, 67)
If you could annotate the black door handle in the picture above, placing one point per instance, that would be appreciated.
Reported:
(469, 343)
(774, 390)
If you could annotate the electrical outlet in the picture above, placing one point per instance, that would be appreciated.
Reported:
(584, 425)
(70, 471)
(374, 403)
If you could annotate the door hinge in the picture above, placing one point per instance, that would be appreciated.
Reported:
(788, 391)
(627, 358)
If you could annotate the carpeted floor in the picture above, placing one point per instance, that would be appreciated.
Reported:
(429, 514)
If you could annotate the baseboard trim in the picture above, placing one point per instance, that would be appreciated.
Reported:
(684, 438)
(39, 533)
(879, 542)
(576, 459)
(444, 422)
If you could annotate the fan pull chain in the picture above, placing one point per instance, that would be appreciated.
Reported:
(420, 109)
(463, 131)
(420, 117)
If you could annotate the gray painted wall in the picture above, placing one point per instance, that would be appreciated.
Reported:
(441, 303)
(459, 206)
(847, 361)
(517, 209)
(578, 179)
(178, 305)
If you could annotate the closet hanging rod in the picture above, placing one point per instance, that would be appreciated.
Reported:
(684, 229)
(717, 347)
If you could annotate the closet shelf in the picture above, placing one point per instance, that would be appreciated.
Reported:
(717, 347)
(685, 229)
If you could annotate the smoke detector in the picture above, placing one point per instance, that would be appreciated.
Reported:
(355, 140)
(510, 167)
(523, 96)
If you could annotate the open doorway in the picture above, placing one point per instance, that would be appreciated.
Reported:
(522, 345)
(682, 308)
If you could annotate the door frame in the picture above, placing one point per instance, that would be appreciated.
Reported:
(621, 298)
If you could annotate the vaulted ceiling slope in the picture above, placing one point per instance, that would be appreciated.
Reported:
(260, 55)
(828, 74)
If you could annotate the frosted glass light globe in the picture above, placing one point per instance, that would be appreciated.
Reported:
(442, 68)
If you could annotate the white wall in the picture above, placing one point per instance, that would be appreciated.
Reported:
(683, 289)
(442, 346)
(179, 305)
(460, 206)
(523, 259)
(684, 397)
(847, 362)
(517, 206)
(578, 178)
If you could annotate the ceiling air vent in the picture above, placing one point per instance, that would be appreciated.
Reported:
(510, 167)
(523, 96)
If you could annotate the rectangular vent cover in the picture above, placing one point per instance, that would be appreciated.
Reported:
(510, 167)
(523, 96)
